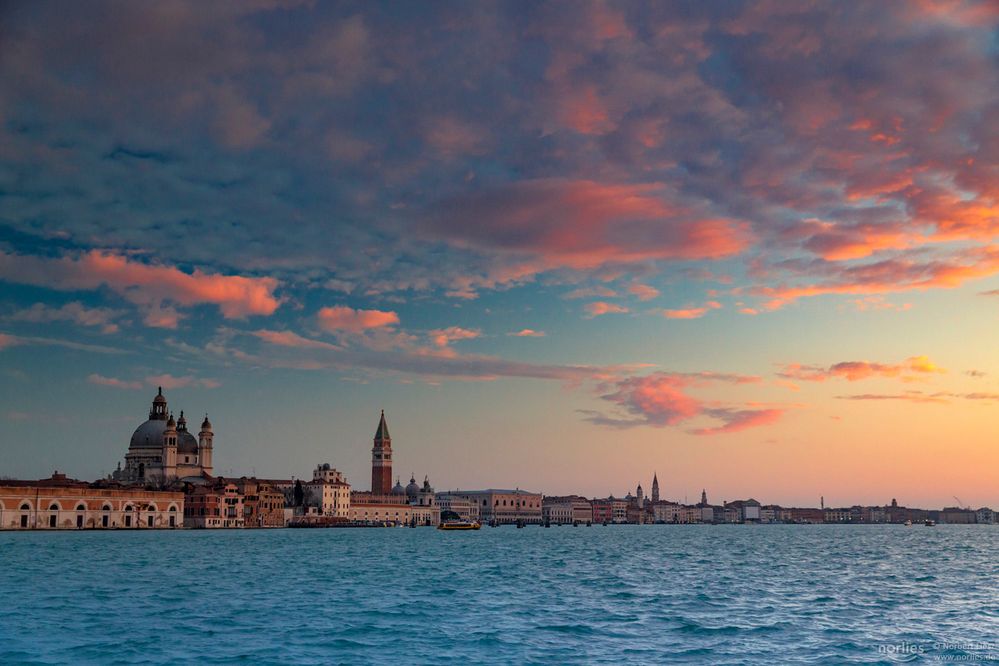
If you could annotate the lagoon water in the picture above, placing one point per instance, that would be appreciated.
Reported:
(654, 594)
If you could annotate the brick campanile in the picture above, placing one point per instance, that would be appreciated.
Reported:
(381, 460)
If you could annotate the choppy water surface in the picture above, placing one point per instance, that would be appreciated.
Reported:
(653, 594)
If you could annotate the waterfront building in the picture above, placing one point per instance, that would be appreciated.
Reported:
(985, 516)
(666, 512)
(770, 513)
(162, 450)
(567, 510)
(328, 491)
(603, 510)
(263, 505)
(957, 515)
(610, 510)
(465, 508)
(841, 515)
(505, 507)
(62, 503)
(697, 514)
(423, 503)
(216, 504)
(803, 515)
(744, 511)
(382, 512)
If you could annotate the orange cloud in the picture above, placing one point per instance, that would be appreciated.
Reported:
(691, 313)
(643, 291)
(857, 370)
(737, 420)
(584, 224)
(528, 333)
(660, 399)
(445, 336)
(149, 285)
(598, 308)
(343, 318)
(290, 339)
(891, 275)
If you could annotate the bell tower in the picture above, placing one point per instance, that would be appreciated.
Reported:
(205, 446)
(170, 450)
(655, 487)
(381, 460)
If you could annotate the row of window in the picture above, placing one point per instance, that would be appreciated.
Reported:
(83, 507)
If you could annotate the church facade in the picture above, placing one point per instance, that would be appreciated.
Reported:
(163, 450)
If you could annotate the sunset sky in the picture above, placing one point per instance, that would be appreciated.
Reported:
(752, 248)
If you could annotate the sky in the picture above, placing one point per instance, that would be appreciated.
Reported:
(750, 248)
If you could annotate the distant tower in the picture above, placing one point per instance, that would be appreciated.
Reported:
(704, 497)
(822, 502)
(655, 488)
(205, 446)
(170, 450)
(640, 496)
(381, 460)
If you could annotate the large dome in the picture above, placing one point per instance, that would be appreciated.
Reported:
(149, 435)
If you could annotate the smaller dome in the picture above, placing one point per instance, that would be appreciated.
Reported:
(182, 422)
(206, 424)
(413, 489)
(397, 489)
(171, 424)
(159, 396)
(186, 443)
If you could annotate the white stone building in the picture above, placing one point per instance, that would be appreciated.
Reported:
(162, 449)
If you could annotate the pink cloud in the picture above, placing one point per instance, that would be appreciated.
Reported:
(527, 333)
(583, 224)
(691, 313)
(168, 381)
(857, 370)
(149, 285)
(445, 336)
(75, 312)
(661, 399)
(602, 307)
(101, 380)
(736, 420)
(342, 318)
(290, 339)
(887, 276)
(643, 291)
(8, 341)
(590, 292)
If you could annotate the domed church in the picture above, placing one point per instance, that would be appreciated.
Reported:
(163, 449)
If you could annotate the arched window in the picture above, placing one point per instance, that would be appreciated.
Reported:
(25, 507)
(53, 507)
(81, 507)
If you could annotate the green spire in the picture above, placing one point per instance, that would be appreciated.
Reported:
(382, 434)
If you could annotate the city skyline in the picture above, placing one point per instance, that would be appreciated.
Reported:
(751, 249)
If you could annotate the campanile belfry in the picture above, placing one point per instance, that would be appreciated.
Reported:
(381, 460)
